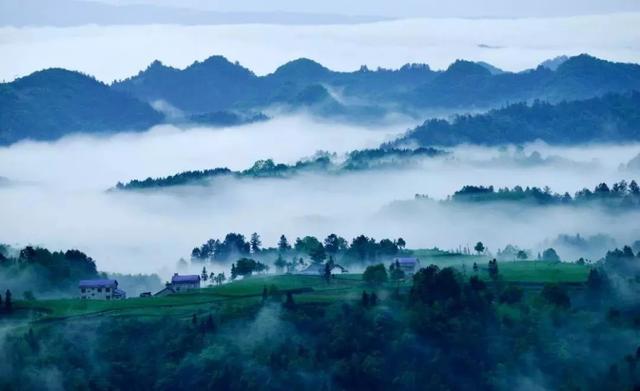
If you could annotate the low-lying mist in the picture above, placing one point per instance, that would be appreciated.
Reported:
(56, 193)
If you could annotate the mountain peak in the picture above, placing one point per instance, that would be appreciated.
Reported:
(467, 68)
(301, 67)
(554, 63)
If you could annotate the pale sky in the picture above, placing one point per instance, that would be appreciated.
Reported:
(410, 8)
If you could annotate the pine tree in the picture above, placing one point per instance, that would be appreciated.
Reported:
(255, 243)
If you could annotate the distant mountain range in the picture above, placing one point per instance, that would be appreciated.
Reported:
(51, 103)
(610, 118)
(217, 84)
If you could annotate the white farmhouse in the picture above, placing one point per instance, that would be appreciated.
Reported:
(102, 289)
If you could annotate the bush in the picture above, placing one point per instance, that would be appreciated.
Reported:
(375, 274)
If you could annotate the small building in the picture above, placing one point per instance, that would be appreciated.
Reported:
(167, 290)
(408, 265)
(185, 282)
(145, 294)
(318, 269)
(102, 289)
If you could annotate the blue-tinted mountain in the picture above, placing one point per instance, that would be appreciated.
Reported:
(217, 84)
(211, 85)
(51, 103)
(611, 118)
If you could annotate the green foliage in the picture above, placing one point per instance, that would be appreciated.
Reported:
(375, 274)
(368, 159)
(48, 104)
(45, 272)
(621, 195)
(562, 123)
(550, 255)
(246, 267)
(311, 246)
(556, 295)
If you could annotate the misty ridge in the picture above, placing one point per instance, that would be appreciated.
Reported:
(221, 93)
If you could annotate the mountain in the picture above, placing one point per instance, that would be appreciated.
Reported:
(51, 103)
(217, 84)
(611, 118)
(554, 63)
(211, 85)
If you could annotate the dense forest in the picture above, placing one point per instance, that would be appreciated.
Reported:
(620, 195)
(49, 104)
(321, 162)
(37, 272)
(301, 252)
(604, 119)
(446, 330)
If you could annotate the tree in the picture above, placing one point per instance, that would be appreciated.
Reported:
(246, 267)
(511, 295)
(317, 254)
(334, 244)
(8, 304)
(362, 248)
(493, 269)
(550, 255)
(204, 275)
(234, 272)
(220, 278)
(182, 264)
(475, 267)
(387, 247)
(280, 263)
(479, 247)
(395, 271)
(375, 274)
(212, 278)
(289, 303)
(401, 243)
(373, 299)
(556, 295)
(328, 267)
(255, 243)
(365, 299)
(311, 246)
(283, 244)
(522, 255)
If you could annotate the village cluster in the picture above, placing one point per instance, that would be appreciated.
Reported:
(107, 289)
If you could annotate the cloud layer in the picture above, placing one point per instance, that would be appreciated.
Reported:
(116, 52)
(57, 199)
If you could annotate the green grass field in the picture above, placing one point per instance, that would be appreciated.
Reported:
(239, 295)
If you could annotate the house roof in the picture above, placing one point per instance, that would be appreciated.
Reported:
(191, 278)
(166, 288)
(97, 283)
(407, 261)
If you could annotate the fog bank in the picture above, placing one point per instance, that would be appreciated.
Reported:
(506, 43)
(55, 194)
